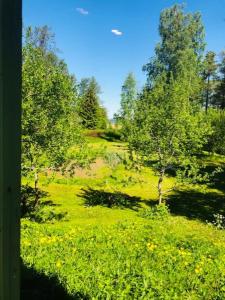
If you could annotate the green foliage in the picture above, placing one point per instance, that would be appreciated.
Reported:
(80, 157)
(182, 38)
(216, 142)
(42, 211)
(47, 214)
(28, 199)
(219, 97)
(49, 126)
(157, 212)
(49, 121)
(209, 75)
(112, 135)
(92, 114)
(128, 100)
(168, 123)
(169, 128)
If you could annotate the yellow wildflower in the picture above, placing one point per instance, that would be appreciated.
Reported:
(198, 270)
(58, 264)
(151, 247)
(43, 240)
(26, 243)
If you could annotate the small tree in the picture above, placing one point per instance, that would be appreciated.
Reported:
(209, 73)
(168, 129)
(91, 113)
(128, 100)
(49, 122)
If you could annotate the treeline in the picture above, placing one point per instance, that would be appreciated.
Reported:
(180, 110)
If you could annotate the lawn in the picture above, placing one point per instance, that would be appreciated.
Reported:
(103, 248)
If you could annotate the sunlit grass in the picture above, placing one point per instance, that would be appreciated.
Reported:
(102, 252)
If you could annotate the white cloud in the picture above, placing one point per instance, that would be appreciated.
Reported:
(117, 32)
(82, 11)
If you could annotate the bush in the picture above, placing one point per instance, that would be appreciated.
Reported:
(45, 214)
(40, 212)
(28, 199)
(157, 212)
(111, 135)
(216, 141)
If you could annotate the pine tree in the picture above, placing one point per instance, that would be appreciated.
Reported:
(91, 113)
(209, 73)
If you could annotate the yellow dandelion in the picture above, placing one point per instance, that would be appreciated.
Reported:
(198, 270)
(58, 264)
(43, 240)
(26, 243)
(151, 247)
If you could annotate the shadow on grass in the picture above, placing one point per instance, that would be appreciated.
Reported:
(218, 180)
(35, 286)
(49, 203)
(110, 136)
(197, 205)
(94, 197)
(201, 205)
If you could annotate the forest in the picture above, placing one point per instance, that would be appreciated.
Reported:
(129, 208)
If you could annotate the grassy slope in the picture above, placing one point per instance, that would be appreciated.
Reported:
(94, 257)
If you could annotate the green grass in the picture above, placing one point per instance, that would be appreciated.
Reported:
(103, 251)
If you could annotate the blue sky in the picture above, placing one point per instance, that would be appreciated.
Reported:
(83, 31)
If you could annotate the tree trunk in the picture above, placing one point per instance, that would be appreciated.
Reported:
(36, 180)
(207, 96)
(160, 186)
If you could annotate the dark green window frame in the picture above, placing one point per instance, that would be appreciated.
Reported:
(10, 115)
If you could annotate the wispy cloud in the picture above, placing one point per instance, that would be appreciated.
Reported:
(82, 11)
(117, 32)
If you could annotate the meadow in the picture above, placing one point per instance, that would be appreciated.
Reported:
(103, 239)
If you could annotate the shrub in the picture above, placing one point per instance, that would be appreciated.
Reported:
(45, 214)
(157, 212)
(112, 135)
(216, 141)
(28, 199)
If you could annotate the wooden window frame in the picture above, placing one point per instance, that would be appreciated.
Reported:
(10, 147)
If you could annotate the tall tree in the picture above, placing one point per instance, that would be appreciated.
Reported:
(209, 73)
(128, 99)
(182, 35)
(168, 126)
(219, 98)
(40, 37)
